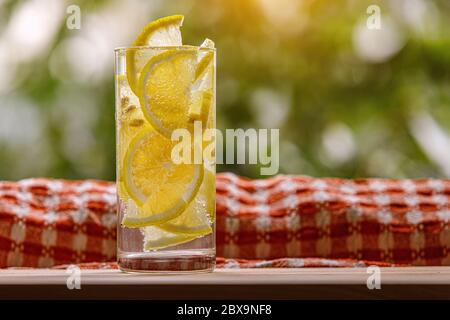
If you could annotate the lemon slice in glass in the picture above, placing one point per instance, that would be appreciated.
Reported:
(165, 83)
(200, 214)
(202, 94)
(156, 238)
(175, 90)
(206, 60)
(161, 32)
(160, 188)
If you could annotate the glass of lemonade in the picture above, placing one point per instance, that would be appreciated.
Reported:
(165, 122)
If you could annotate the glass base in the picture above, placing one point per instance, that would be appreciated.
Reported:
(170, 261)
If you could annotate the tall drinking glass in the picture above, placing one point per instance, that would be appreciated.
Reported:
(165, 155)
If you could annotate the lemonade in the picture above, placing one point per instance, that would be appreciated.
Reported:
(166, 206)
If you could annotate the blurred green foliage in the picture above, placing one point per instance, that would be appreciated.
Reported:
(349, 101)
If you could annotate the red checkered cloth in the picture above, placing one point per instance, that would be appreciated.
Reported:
(46, 222)
(282, 221)
(395, 221)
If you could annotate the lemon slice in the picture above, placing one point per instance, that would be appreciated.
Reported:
(161, 32)
(202, 96)
(206, 60)
(200, 214)
(160, 188)
(129, 117)
(171, 96)
(156, 238)
(165, 83)
(200, 106)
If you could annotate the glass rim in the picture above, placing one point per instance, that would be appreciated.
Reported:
(182, 47)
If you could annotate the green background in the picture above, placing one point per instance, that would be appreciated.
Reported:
(349, 101)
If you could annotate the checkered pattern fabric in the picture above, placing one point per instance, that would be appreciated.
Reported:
(396, 221)
(297, 263)
(48, 222)
(280, 221)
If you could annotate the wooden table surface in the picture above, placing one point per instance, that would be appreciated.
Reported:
(313, 283)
